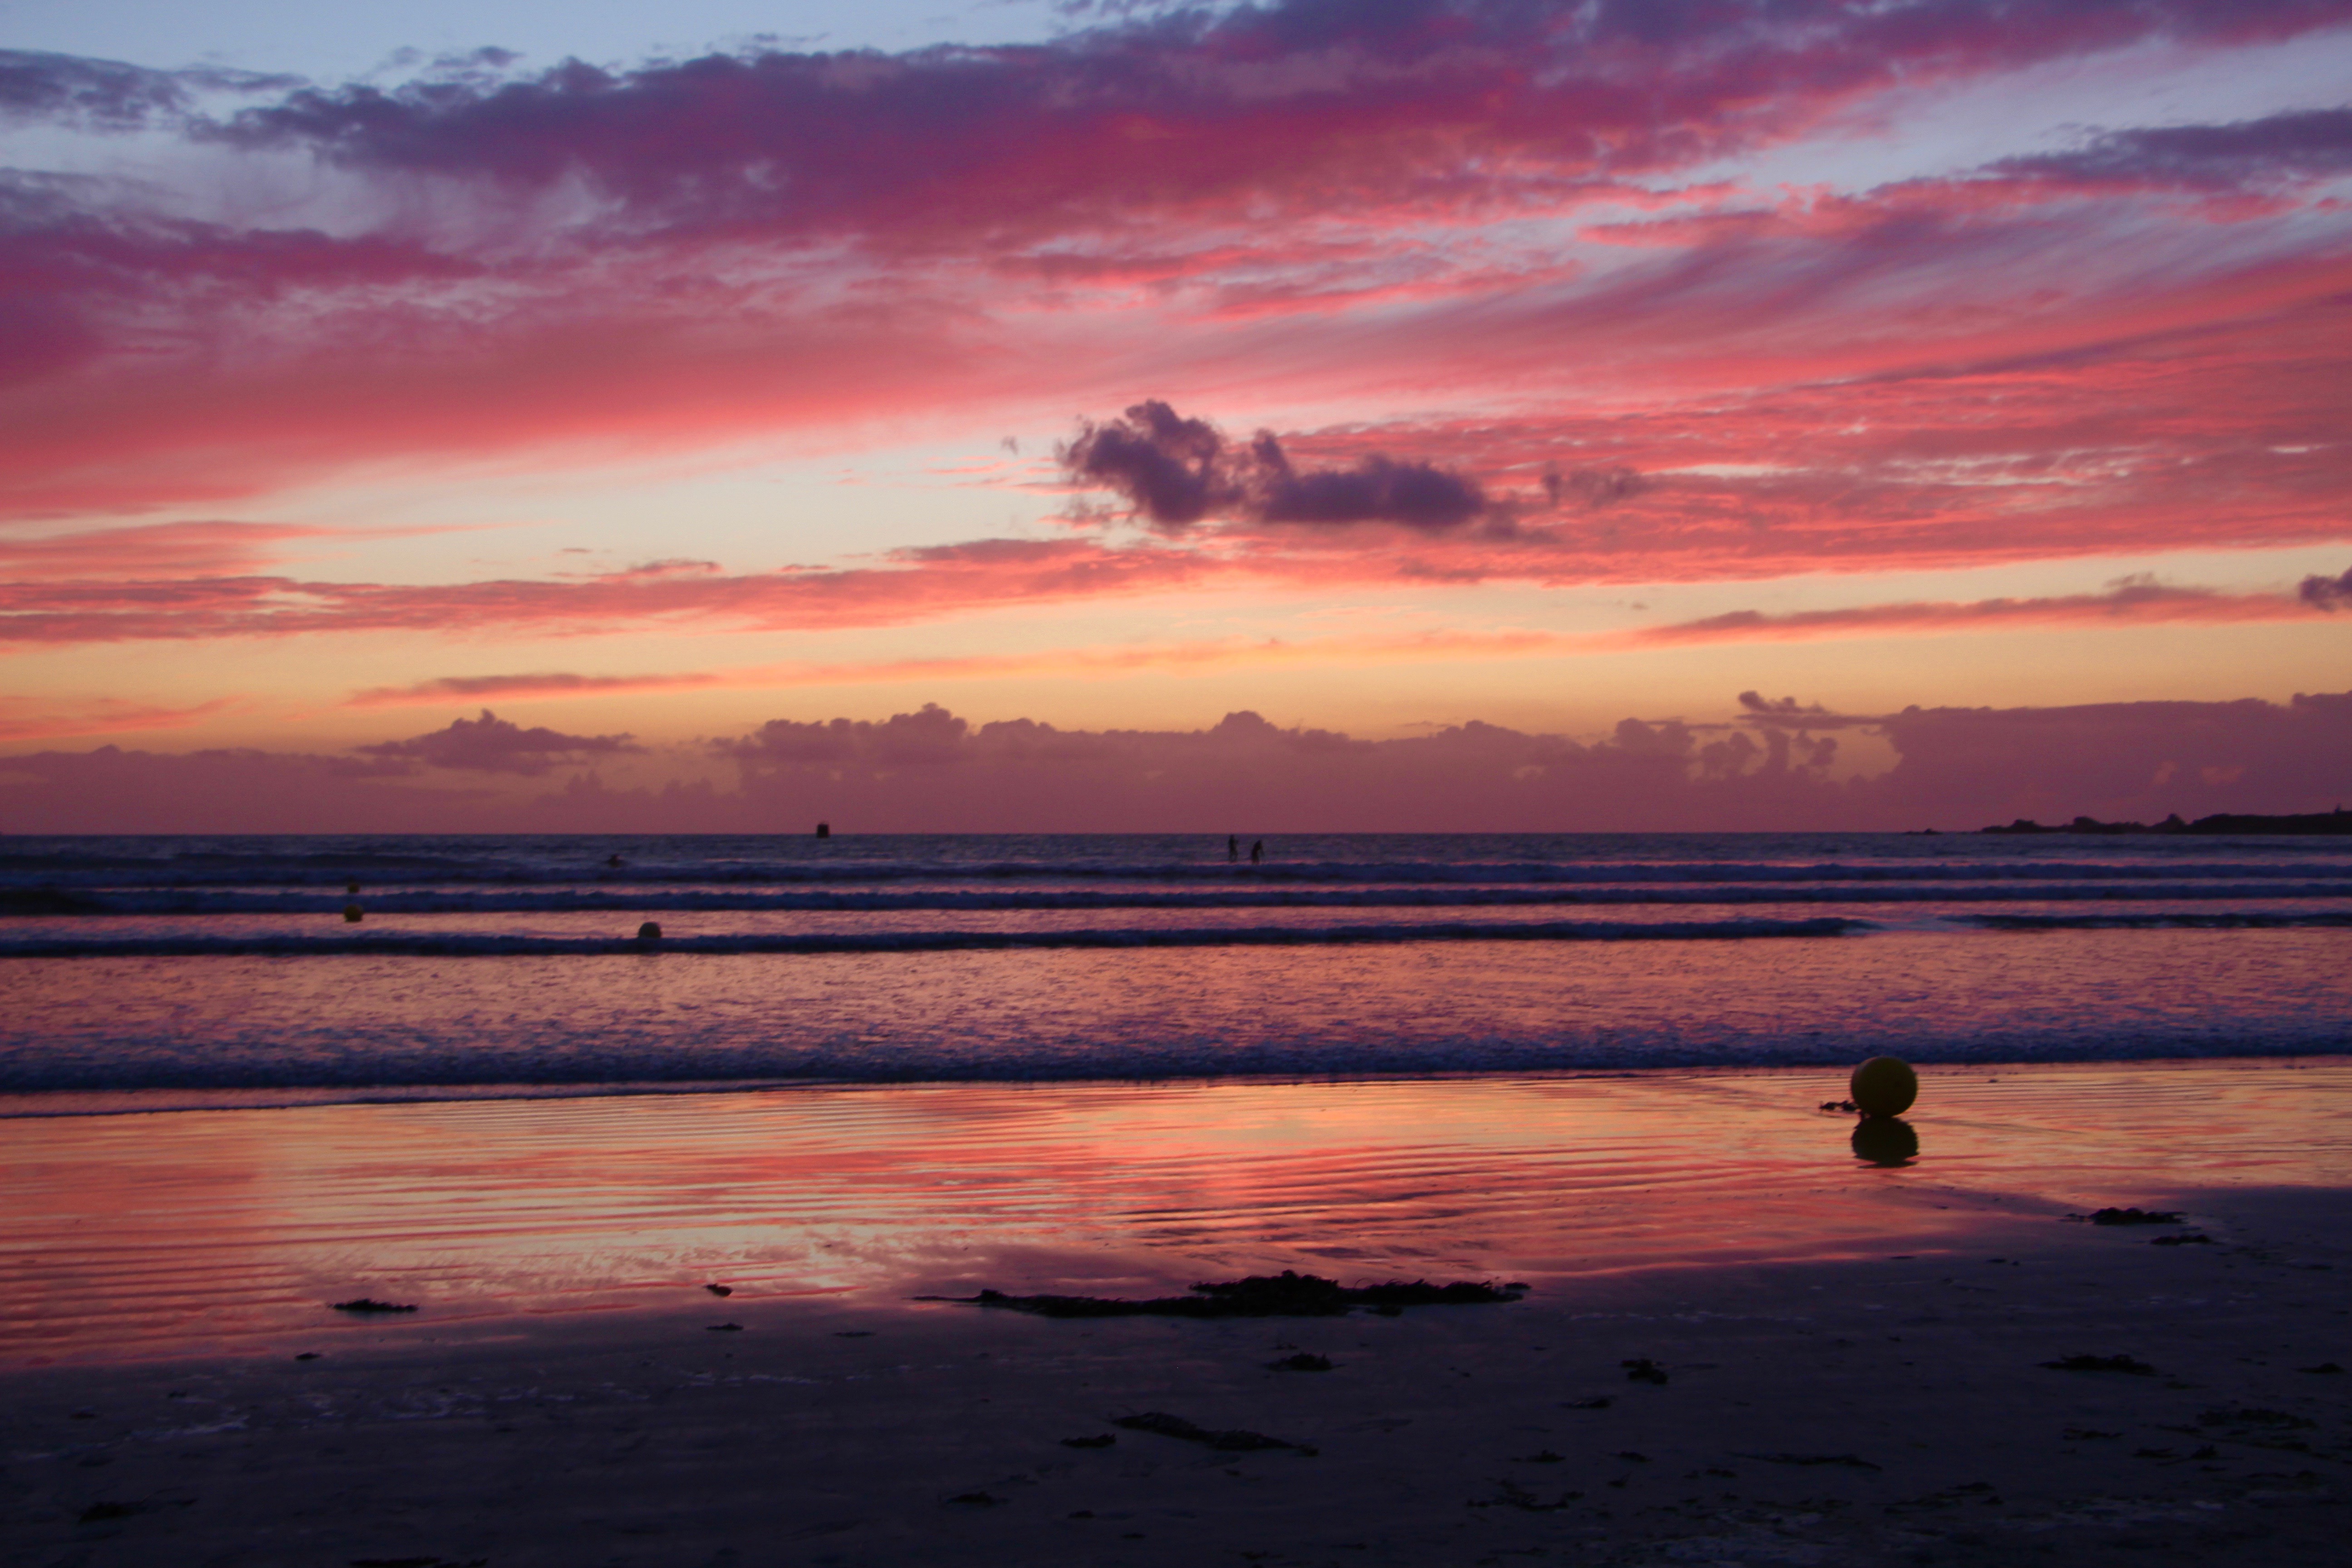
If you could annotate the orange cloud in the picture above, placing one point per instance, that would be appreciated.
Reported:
(26, 719)
(2127, 604)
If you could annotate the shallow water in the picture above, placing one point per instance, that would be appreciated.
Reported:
(127, 1236)
(189, 1031)
(201, 967)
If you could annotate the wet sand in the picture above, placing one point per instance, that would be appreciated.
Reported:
(1869, 1389)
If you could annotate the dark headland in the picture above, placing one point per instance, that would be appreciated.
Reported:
(2339, 821)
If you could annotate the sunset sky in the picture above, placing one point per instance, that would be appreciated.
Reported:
(1462, 377)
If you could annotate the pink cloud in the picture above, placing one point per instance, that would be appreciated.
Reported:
(923, 584)
(629, 258)
(163, 549)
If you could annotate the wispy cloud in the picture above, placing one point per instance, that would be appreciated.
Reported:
(154, 550)
(473, 687)
(2128, 604)
(1339, 199)
(2135, 602)
(40, 718)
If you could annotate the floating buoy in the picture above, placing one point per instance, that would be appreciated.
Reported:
(1885, 1086)
(351, 914)
(649, 932)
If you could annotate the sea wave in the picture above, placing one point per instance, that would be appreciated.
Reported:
(220, 966)
(28, 872)
(493, 944)
(2179, 919)
(660, 899)
(446, 1068)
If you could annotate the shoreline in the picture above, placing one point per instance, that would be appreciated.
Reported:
(1866, 1410)
(307, 1097)
(40, 1104)
(1854, 1354)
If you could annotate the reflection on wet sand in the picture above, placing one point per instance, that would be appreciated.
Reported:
(122, 1234)
(1887, 1141)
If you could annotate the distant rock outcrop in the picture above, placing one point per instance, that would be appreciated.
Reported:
(2339, 821)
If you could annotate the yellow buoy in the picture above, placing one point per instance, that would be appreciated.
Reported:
(1885, 1086)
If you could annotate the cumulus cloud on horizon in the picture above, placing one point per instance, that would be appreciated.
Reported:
(494, 745)
(1777, 767)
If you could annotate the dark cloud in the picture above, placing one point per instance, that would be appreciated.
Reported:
(100, 93)
(1177, 471)
(1377, 489)
(1592, 487)
(1785, 707)
(999, 134)
(552, 683)
(490, 744)
(2307, 144)
(2325, 592)
(109, 95)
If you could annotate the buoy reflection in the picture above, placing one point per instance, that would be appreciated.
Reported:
(1885, 1140)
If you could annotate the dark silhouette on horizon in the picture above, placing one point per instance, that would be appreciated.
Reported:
(2339, 821)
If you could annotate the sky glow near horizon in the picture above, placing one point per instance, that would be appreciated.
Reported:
(800, 361)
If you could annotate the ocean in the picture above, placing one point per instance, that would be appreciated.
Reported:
(144, 973)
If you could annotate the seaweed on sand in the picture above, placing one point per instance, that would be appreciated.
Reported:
(1231, 1441)
(2100, 1363)
(1288, 1294)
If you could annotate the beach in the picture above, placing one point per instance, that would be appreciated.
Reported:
(1739, 1341)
